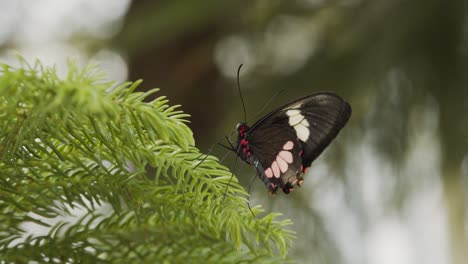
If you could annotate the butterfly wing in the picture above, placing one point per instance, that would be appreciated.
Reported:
(278, 152)
(310, 123)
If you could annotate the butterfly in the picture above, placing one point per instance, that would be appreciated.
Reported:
(282, 145)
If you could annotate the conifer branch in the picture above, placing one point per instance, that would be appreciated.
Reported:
(115, 179)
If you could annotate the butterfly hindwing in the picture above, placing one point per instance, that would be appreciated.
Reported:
(278, 151)
(308, 124)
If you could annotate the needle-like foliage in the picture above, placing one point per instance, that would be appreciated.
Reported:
(108, 178)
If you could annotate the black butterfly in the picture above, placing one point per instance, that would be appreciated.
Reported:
(283, 144)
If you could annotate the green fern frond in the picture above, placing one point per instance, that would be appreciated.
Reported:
(112, 178)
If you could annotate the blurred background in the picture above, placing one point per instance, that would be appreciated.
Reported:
(392, 188)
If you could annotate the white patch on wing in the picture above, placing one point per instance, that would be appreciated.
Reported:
(295, 106)
(276, 169)
(286, 155)
(302, 132)
(283, 165)
(300, 124)
(288, 145)
(294, 116)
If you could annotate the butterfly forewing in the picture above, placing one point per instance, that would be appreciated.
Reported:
(323, 116)
(286, 141)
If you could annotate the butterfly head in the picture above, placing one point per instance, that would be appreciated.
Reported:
(242, 128)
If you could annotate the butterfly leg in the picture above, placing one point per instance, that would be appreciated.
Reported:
(230, 147)
(230, 143)
(227, 147)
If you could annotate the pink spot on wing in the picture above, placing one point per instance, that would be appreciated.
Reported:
(269, 173)
(276, 170)
(306, 169)
(282, 164)
(286, 155)
(288, 146)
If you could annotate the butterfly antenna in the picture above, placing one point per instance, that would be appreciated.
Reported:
(240, 92)
(269, 101)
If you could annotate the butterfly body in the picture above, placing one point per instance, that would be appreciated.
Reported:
(282, 145)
